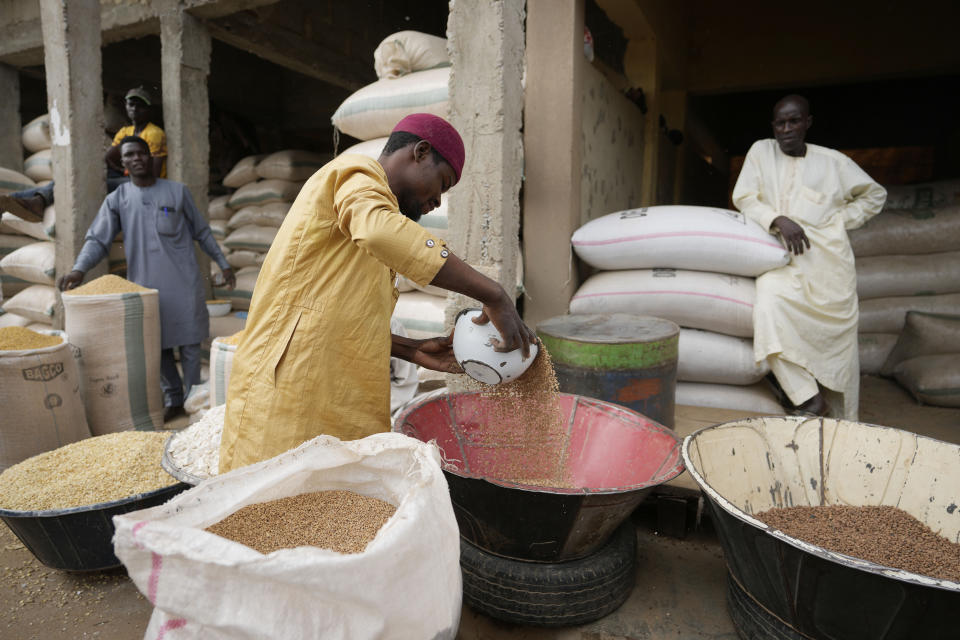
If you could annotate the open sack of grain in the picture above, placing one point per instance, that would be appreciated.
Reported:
(406, 582)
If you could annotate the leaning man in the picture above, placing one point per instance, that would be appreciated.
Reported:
(806, 313)
(160, 223)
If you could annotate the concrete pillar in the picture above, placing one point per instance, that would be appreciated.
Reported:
(11, 149)
(552, 146)
(486, 43)
(71, 37)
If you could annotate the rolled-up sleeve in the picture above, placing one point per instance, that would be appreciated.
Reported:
(368, 213)
(748, 196)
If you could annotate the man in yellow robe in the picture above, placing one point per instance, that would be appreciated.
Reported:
(315, 356)
(805, 315)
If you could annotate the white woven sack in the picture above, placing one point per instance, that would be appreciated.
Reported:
(218, 208)
(370, 148)
(679, 237)
(692, 299)
(405, 584)
(252, 237)
(374, 110)
(706, 356)
(908, 275)
(39, 166)
(756, 398)
(44, 230)
(35, 135)
(36, 302)
(42, 401)
(293, 164)
(403, 375)
(34, 263)
(421, 314)
(408, 51)
(11, 181)
(221, 363)
(887, 315)
(264, 192)
(13, 320)
(241, 294)
(244, 172)
(10, 243)
(874, 349)
(267, 215)
(925, 195)
(118, 335)
(241, 258)
(908, 231)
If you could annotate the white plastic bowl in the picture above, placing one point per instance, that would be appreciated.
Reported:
(219, 308)
(474, 352)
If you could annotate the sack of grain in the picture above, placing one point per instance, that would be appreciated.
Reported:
(886, 315)
(370, 148)
(243, 172)
(406, 583)
(198, 399)
(251, 237)
(924, 334)
(408, 51)
(10, 243)
(264, 192)
(925, 195)
(933, 379)
(294, 165)
(908, 275)
(40, 394)
(13, 320)
(875, 348)
(421, 314)
(34, 263)
(692, 299)
(374, 110)
(36, 301)
(267, 215)
(705, 356)
(245, 258)
(39, 166)
(679, 237)
(241, 294)
(219, 229)
(35, 135)
(756, 398)
(11, 181)
(908, 231)
(45, 230)
(222, 351)
(218, 208)
(11, 286)
(116, 326)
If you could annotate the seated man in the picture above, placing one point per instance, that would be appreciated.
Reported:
(30, 203)
(805, 315)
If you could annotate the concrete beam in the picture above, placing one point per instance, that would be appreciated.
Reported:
(11, 149)
(75, 102)
(552, 146)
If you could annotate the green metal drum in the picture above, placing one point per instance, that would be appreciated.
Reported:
(618, 357)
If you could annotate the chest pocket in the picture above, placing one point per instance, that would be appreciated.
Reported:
(169, 221)
(814, 206)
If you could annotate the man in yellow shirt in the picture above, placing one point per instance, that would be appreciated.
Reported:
(315, 356)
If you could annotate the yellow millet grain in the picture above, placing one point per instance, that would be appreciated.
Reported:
(99, 469)
(233, 340)
(20, 338)
(104, 285)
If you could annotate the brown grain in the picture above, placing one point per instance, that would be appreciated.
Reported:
(232, 340)
(105, 285)
(885, 535)
(20, 338)
(343, 521)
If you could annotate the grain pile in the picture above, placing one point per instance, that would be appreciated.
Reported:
(196, 449)
(104, 285)
(885, 535)
(233, 340)
(525, 424)
(21, 338)
(343, 521)
(94, 470)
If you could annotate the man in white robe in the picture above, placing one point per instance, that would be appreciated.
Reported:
(805, 316)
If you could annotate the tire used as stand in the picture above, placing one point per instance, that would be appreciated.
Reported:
(551, 594)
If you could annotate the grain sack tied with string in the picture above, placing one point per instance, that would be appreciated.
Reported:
(222, 352)
(116, 325)
(40, 394)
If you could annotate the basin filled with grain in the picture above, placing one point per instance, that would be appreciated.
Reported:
(547, 478)
(60, 504)
(833, 529)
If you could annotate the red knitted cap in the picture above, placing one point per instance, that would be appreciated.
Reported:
(440, 134)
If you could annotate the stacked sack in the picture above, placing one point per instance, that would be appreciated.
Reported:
(695, 266)
(27, 254)
(413, 70)
(908, 259)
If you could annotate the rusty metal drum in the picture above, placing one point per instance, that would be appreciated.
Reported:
(617, 357)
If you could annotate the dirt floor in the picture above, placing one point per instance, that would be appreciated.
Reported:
(679, 593)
